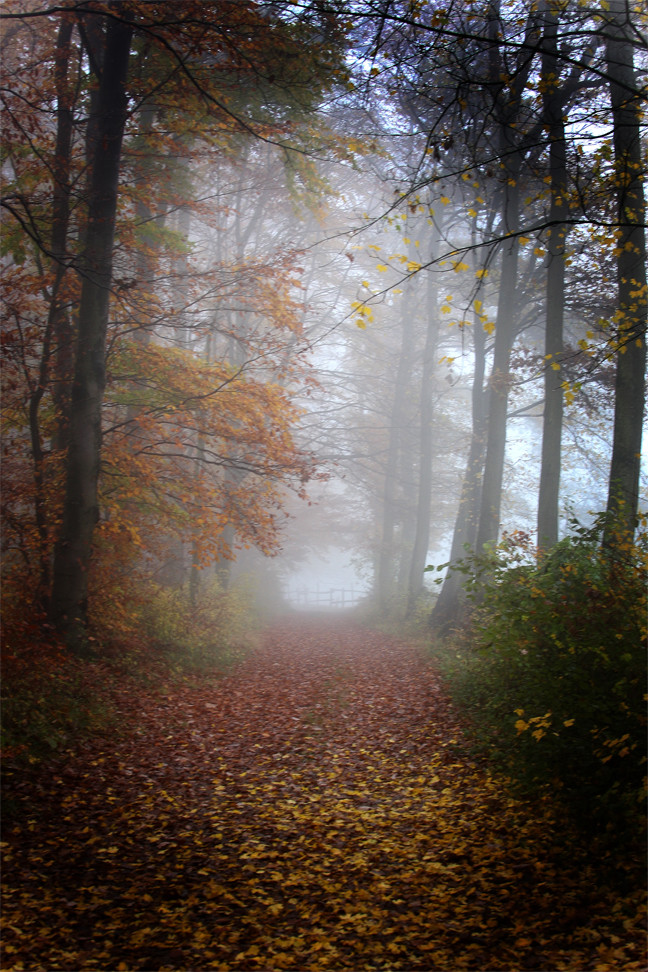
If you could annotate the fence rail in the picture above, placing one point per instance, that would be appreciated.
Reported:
(332, 598)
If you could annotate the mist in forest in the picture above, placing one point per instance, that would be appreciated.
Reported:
(331, 313)
(323, 485)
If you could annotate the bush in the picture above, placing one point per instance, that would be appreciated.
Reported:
(555, 685)
(49, 699)
(207, 634)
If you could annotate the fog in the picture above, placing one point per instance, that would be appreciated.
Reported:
(389, 328)
(326, 337)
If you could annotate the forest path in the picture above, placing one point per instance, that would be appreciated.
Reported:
(312, 810)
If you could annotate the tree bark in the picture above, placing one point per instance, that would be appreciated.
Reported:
(54, 337)
(63, 334)
(500, 379)
(68, 608)
(422, 535)
(623, 493)
(448, 607)
(508, 111)
(549, 491)
(385, 572)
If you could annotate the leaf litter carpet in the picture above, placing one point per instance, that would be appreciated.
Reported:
(315, 809)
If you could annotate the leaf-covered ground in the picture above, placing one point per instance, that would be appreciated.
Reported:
(315, 809)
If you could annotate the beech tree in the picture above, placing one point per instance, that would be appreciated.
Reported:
(160, 308)
(534, 86)
(629, 173)
(68, 605)
(174, 57)
(549, 488)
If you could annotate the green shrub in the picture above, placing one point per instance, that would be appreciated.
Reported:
(555, 686)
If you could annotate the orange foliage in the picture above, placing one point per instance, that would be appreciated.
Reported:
(198, 413)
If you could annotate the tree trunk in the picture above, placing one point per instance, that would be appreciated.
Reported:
(509, 112)
(68, 608)
(549, 492)
(54, 338)
(423, 509)
(449, 604)
(63, 333)
(623, 494)
(385, 573)
(500, 379)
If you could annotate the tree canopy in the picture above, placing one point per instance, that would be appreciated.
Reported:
(216, 213)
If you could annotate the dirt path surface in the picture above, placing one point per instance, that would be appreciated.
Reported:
(315, 809)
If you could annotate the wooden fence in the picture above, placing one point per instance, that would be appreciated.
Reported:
(321, 599)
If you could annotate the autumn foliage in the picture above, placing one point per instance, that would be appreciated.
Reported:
(182, 792)
(196, 377)
(554, 680)
(316, 808)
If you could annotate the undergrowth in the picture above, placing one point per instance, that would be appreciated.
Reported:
(551, 675)
(204, 634)
(51, 701)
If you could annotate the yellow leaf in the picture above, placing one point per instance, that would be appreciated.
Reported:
(381, 267)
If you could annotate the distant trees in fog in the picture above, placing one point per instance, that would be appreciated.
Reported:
(249, 243)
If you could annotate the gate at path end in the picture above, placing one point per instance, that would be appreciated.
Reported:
(319, 599)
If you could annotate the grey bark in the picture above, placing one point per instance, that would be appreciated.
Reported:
(623, 493)
(448, 607)
(63, 333)
(549, 491)
(55, 335)
(385, 572)
(68, 608)
(509, 112)
(426, 445)
(500, 379)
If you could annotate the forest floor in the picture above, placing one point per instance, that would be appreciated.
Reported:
(314, 809)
